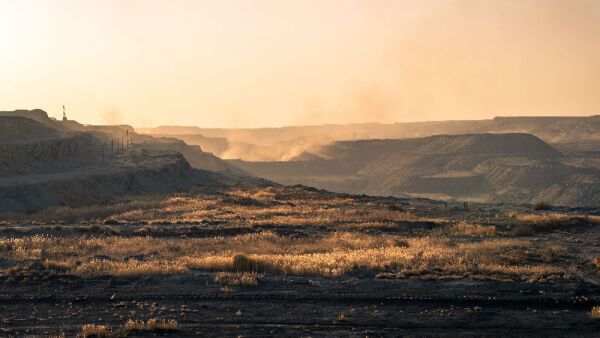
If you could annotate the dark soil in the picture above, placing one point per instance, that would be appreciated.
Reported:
(302, 306)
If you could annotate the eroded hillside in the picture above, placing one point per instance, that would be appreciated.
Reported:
(518, 168)
(285, 143)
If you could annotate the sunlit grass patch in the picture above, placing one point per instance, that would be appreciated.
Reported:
(255, 207)
(91, 330)
(154, 325)
(237, 278)
(326, 255)
(595, 312)
(289, 231)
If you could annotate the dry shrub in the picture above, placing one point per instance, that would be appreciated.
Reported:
(247, 201)
(34, 272)
(530, 224)
(466, 229)
(237, 278)
(512, 214)
(403, 243)
(97, 229)
(394, 207)
(543, 206)
(154, 325)
(595, 312)
(91, 330)
(226, 289)
(243, 263)
(522, 230)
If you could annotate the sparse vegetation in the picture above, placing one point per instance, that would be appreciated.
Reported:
(467, 229)
(596, 262)
(530, 224)
(301, 208)
(326, 255)
(236, 233)
(154, 325)
(242, 262)
(237, 278)
(240, 238)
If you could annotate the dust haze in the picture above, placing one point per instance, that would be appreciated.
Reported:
(300, 168)
(113, 116)
(355, 62)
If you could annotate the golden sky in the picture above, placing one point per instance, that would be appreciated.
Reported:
(254, 63)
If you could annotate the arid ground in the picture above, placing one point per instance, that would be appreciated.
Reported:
(298, 261)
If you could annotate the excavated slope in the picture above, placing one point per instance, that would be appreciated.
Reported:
(46, 162)
(156, 174)
(16, 129)
(47, 156)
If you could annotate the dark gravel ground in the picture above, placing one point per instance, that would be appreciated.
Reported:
(302, 306)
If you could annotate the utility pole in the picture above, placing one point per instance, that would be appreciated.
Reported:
(102, 145)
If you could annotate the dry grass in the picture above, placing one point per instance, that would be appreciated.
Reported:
(242, 262)
(543, 206)
(154, 325)
(595, 312)
(327, 255)
(466, 229)
(264, 207)
(91, 330)
(237, 278)
(529, 224)
(337, 235)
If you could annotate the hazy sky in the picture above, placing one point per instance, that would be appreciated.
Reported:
(270, 63)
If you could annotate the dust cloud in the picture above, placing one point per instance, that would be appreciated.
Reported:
(112, 116)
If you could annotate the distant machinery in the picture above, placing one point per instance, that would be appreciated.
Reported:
(64, 114)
